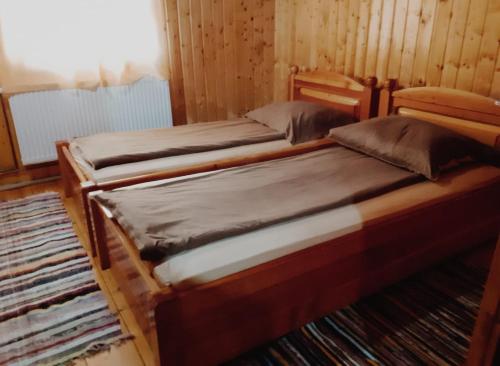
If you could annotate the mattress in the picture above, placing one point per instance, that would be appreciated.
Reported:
(174, 162)
(234, 254)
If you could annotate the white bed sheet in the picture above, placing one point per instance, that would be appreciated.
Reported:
(174, 162)
(237, 253)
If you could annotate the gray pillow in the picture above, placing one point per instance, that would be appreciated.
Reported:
(410, 143)
(300, 121)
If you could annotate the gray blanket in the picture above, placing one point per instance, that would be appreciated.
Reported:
(115, 148)
(178, 216)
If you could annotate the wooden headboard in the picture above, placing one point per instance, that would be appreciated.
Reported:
(468, 113)
(334, 90)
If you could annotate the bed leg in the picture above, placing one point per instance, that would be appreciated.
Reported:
(89, 225)
(64, 168)
(385, 100)
(167, 338)
(98, 234)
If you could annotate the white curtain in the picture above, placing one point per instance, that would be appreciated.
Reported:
(80, 43)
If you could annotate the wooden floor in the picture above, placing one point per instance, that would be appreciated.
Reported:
(130, 353)
(136, 351)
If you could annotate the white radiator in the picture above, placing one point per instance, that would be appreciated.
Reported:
(41, 118)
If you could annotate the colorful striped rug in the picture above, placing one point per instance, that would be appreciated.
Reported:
(51, 307)
(425, 320)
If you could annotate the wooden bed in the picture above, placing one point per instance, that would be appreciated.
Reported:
(355, 98)
(212, 322)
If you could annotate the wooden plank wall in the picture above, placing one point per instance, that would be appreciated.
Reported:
(221, 56)
(449, 43)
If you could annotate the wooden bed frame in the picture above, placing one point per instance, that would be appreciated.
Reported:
(353, 97)
(216, 321)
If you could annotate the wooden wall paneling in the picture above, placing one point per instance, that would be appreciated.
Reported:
(373, 38)
(423, 42)
(280, 42)
(284, 46)
(342, 14)
(220, 66)
(454, 42)
(332, 34)
(241, 57)
(268, 38)
(302, 34)
(410, 42)
(175, 62)
(320, 33)
(235, 55)
(244, 40)
(384, 45)
(209, 59)
(184, 14)
(230, 69)
(251, 7)
(495, 85)
(351, 37)
(314, 19)
(398, 32)
(439, 42)
(472, 44)
(199, 70)
(362, 38)
(257, 51)
(485, 67)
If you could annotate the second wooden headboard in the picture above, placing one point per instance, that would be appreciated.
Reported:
(468, 113)
(334, 90)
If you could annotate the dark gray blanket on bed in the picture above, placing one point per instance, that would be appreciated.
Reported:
(115, 148)
(181, 215)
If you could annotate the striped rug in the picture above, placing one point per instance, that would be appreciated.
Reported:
(425, 320)
(51, 307)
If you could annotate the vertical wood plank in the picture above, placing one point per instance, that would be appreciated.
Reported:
(423, 42)
(187, 60)
(362, 38)
(332, 35)
(230, 71)
(209, 58)
(384, 45)
(257, 51)
(455, 42)
(438, 42)
(268, 67)
(351, 37)
(249, 8)
(314, 19)
(397, 39)
(241, 56)
(410, 42)
(281, 42)
(175, 62)
(343, 10)
(284, 46)
(321, 33)
(472, 44)
(220, 65)
(303, 33)
(198, 60)
(488, 52)
(373, 38)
